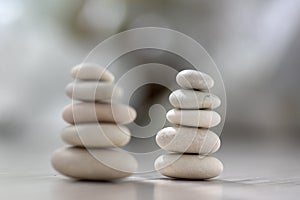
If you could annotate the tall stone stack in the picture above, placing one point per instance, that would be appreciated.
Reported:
(190, 139)
(96, 128)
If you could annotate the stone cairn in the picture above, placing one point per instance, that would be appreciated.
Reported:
(96, 127)
(191, 139)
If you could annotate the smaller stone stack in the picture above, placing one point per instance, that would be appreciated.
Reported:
(96, 126)
(191, 139)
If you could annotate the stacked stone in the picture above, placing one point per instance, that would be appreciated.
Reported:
(96, 126)
(191, 139)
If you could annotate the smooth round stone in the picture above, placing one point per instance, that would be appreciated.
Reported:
(96, 135)
(188, 140)
(193, 79)
(191, 99)
(99, 112)
(194, 118)
(93, 91)
(102, 164)
(91, 71)
(188, 166)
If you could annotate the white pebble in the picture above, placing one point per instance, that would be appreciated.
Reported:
(98, 112)
(188, 140)
(191, 99)
(194, 118)
(93, 91)
(96, 135)
(188, 166)
(193, 79)
(103, 164)
(91, 71)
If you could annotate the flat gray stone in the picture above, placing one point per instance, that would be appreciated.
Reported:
(93, 91)
(191, 99)
(96, 135)
(91, 71)
(98, 112)
(102, 164)
(188, 166)
(194, 118)
(192, 79)
(188, 140)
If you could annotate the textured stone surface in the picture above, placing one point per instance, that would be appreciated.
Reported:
(191, 99)
(188, 140)
(194, 80)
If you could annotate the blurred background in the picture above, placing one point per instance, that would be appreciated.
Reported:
(255, 45)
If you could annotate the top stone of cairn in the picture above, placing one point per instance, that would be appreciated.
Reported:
(90, 71)
(192, 79)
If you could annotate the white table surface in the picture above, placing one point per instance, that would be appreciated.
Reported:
(248, 174)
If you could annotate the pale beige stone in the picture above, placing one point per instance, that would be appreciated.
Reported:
(188, 166)
(194, 118)
(188, 140)
(91, 71)
(191, 99)
(98, 112)
(95, 164)
(96, 135)
(193, 79)
(93, 91)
